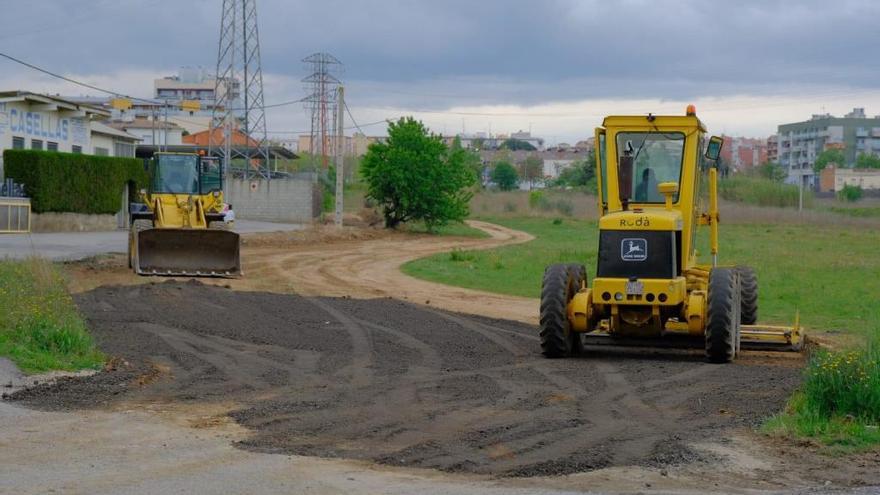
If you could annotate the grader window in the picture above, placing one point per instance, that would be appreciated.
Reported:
(656, 157)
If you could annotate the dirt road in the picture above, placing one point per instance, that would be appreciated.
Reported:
(353, 263)
(399, 384)
(409, 385)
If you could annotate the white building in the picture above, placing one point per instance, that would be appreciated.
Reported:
(152, 131)
(33, 121)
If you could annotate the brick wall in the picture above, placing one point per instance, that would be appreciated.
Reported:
(276, 200)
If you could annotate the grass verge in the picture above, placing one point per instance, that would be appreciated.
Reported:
(40, 328)
(459, 229)
(839, 402)
(826, 273)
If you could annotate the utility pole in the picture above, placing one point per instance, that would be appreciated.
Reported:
(801, 193)
(340, 153)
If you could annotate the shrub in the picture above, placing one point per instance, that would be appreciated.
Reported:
(844, 384)
(839, 401)
(69, 182)
(565, 207)
(536, 198)
(850, 193)
(459, 255)
(761, 192)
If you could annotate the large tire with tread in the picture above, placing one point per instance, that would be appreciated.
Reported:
(557, 289)
(578, 278)
(137, 227)
(722, 316)
(748, 282)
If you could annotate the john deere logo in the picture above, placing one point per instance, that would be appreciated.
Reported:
(634, 250)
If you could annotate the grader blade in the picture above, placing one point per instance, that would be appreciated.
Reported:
(773, 338)
(188, 253)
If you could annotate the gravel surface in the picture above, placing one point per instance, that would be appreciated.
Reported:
(406, 385)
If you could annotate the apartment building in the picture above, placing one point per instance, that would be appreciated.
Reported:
(800, 143)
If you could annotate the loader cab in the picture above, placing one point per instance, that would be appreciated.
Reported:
(185, 173)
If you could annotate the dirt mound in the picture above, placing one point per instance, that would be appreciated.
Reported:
(406, 385)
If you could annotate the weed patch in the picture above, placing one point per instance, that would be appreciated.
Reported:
(40, 328)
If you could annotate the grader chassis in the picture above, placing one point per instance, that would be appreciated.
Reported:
(650, 290)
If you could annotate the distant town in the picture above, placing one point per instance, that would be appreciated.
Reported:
(179, 117)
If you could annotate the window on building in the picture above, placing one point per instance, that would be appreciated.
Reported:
(101, 151)
(76, 149)
(36, 144)
(17, 143)
(123, 149)
(52, 146)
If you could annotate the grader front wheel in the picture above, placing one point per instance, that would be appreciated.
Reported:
(723, 316)
(561, 282)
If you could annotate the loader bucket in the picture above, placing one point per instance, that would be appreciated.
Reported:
(188, 252)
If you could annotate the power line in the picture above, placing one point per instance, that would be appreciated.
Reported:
(123, 95)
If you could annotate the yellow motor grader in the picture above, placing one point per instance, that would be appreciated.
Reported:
(179, 229)
(650, 290)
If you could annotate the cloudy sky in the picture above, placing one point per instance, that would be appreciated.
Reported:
(555, 66)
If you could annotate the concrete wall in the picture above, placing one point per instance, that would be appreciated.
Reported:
(276, 200)
(72, 222)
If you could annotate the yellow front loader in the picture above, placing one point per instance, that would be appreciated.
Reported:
(179, 229)
(650, 289)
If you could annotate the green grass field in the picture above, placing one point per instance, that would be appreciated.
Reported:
(40, 328)
(828, 273)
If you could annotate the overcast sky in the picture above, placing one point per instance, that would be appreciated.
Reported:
(555, 66)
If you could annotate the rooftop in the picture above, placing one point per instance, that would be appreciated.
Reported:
(53, 103)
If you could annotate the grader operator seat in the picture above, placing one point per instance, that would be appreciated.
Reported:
(179, 230)
(650, 288)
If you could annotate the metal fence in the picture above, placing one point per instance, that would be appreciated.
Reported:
(15, 208)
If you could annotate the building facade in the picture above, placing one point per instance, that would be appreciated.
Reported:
(33, 121)
(742, 153)
(832, 179)
(800, 143)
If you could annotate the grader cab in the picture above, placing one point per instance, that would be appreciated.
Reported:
(650, 289)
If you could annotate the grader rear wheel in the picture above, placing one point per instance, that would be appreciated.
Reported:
(561, 282)
(748, 281)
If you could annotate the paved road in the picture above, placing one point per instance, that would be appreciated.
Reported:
(70, 246)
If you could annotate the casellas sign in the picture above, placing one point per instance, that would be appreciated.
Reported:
(38, 124)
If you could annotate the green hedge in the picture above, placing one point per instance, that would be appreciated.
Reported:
(762, 192)
(69, 182)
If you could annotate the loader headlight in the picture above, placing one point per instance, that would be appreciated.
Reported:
(618, 296)
(143, 191)
(216, 194)
(606, 296)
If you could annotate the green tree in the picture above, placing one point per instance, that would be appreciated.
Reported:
(770, 170)
(471, 158)
(513, 144)
(531, 169)
(865, 160)
(580, 173)
(505, 176)
(414, 176)
(828, 157)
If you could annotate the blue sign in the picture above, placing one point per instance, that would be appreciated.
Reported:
(38, 124)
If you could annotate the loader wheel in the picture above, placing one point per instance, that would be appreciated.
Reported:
(749, 294)
(722, 322)
(557, 290)
(136, 227)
